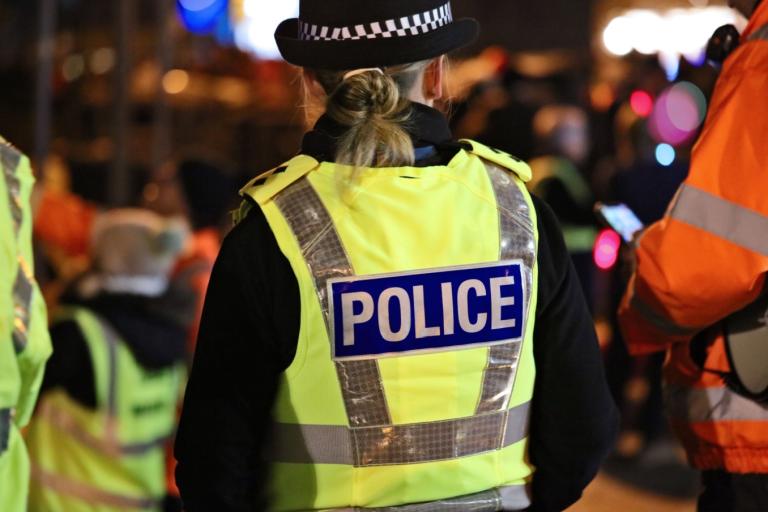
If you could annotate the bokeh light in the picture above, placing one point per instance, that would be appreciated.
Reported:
(641, 103)
(678, 114)
(618, 36)
(175, 81)
(201, 16)
(606, 252)
(255, 31)
(73, 67)
(665, 154)
(680, 32)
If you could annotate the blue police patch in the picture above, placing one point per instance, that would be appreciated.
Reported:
(429, 310)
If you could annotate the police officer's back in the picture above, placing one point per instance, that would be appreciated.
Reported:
(393, 309)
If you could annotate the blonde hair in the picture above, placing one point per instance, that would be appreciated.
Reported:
(375, 110)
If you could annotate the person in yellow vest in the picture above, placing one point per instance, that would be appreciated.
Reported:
(108, 400)
(24, 341)
(394, 323)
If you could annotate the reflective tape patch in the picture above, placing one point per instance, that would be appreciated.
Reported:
(511, 498)
(430, 310)
(658, 320)
(90, 494)
(400, 444)
(23, 288)
(109, 445)
(720, 217)
(9, 160)
(696, 405)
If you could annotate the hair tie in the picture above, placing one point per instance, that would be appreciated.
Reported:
(360, 71)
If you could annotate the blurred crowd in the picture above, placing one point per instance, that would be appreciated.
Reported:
(145, 268)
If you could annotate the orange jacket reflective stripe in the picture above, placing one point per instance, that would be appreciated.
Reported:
(707, 259)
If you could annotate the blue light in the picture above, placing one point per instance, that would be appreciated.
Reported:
(201, 16)
(665, 154)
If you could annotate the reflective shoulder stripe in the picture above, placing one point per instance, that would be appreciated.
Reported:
(695, 405)
(512, 498)
(658, 320)
(720, 217)
(332, 444)
(324, 254)
(516, 241)
(91, 495)
(10, 158)
(23, 287)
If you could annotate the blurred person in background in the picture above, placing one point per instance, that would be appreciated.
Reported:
(701, 270)
(647, 187)
(24, 341)
(209, 193)
(563, 138)
(109, 397)
(291, 407)
(63, 223)
(205, 192)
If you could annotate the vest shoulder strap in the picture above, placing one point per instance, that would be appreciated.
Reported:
(501, 158)
(101, 341)
(267, 185)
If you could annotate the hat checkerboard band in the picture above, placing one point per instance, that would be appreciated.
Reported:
(408, 25)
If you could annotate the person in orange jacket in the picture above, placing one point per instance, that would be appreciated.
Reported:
(706, 260)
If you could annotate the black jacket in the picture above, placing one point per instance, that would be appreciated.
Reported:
(249, 334)
(153, 329)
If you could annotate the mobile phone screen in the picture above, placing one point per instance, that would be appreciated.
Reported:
(621, 219)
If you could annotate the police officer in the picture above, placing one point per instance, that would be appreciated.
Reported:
(394, 321)
(24, 341)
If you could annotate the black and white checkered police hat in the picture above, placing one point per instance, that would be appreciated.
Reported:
(350, 34)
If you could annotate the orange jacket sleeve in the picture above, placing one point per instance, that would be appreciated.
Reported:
(708, 257)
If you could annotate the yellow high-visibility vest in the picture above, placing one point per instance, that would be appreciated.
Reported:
(24, 342)
(110, 458)
(414, 371)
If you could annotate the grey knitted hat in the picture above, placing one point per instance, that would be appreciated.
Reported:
(134, 251)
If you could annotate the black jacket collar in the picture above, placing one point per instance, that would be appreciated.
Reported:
(428, 127)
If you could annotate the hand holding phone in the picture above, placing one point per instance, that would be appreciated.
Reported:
(621, 219)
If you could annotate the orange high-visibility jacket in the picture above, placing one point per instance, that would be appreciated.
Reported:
(707, 259)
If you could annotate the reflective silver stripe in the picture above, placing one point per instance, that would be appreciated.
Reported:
(512, 498)
(720, 217)
(24, 282)
(5, 428)
(658, 320)
(695, 405)
(90, 494)
(324, 254)
(23, 288)
(10, 159)
(760, 34)
(400, 444)
(516, 241)
(67, 424)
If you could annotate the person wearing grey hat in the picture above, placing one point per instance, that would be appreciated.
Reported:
(119, 338)
(368, 340)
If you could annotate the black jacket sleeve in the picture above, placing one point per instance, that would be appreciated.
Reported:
(574, 420)
(238, 361)
(70, 365)
(241, 354)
